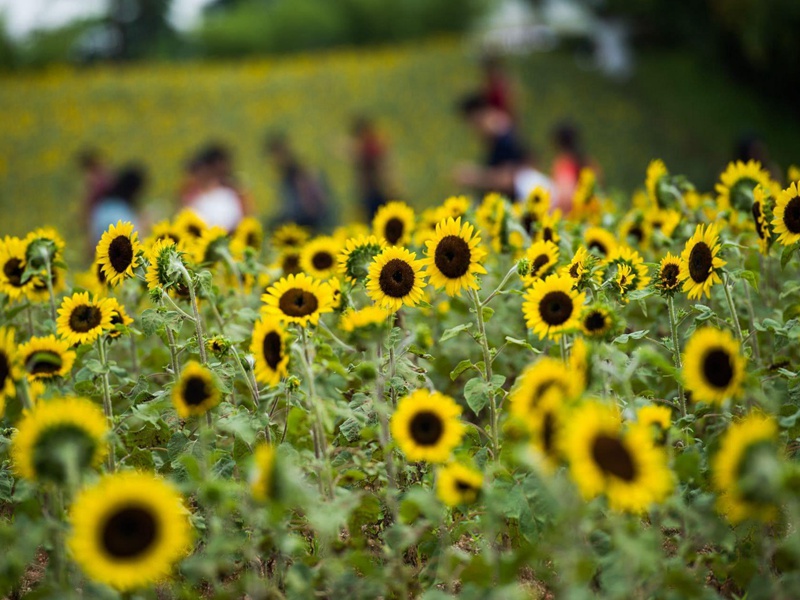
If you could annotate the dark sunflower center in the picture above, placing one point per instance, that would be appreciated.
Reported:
(101, 275)
(718, 368)
(598, 245)
(298, 303)
(464, 486)
(595, 321)
(43, 362)
(452, 256)
(252, 240)
(120, 253)
(613, 458)
(528, 221)
(555, 308)
(116, 318)
(194, 231)
(396, 278)
(5, 369)
(61, 449)
(636, 233)
(13, 270)
(272, 347)
(84, 317)
(700, 259)
(426, 428)
(291, 264)
(669, 275)
(757, 219)
(538, 263)
(548, 432)
(573, 270)
(322, 261)
(547, 234)
(791, 215)
(393, 231)
(196, 391)
(129, 533)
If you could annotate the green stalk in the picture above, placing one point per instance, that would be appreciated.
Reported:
(487, 372)
(108, 407)
(676, 352)
(198, 323)
(319, 425)
(50, 292)
(732, 309)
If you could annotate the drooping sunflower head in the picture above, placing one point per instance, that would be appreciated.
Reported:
(713, 366)
(262, 473)
(129, 530)
(43, 245)
(269, 349)
(427, 427)
(543, 256)
(162, 258)
(744, 469)
(248, 234)
(545, 375)
(787, 215)
(119, 316)
(196, 392)
(453, 257)
(46, 358)
(9, 366)
(318, 257)
(598, 321)
(700, 262)
(289, 236)
(394, 223)
(298, 299)
(81, 319)
(458, 484)
(189, 226)
(735, 189)
(599, 242)
(552, 307)
(666, 280)
(761, 220)
(58, 439)
(356, 257)
(118, 252)
(12, 268)
(395, 278)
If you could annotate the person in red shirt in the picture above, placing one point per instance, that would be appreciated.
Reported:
(497, 87)
(570, 159)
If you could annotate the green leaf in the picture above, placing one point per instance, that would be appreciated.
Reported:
(523, 343)
(454, 331)
(787, 254)
(476, 393)
(460, 368)
(634, 335)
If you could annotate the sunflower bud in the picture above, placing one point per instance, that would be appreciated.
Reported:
(523, 267)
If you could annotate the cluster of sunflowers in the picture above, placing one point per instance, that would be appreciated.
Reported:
(224, 414)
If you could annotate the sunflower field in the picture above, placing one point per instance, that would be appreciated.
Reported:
(482, 399)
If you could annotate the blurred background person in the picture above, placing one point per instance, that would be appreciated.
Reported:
(304, 196)
(570, 159)
(498, 87)
(369, 156)
(97, 177)
(528, 177)
(120, 202)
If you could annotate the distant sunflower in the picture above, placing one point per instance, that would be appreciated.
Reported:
(458, 484)
(537, 379)
(298, 299)
(663, 221)
(395, 278)
(745, 488)
(628, 269)
(394, 222)
(318, 257)
(713, 366)
(289, 262)
(597, 321)
(548, 230)
(118, 252)
(269, 349)
(211, 247)
(580, 267)
(760, 220)
(545, 423)
(46, 358)
(289, 236)
(38, 291)
(59, 435)
(735, 189)
(248, 234)
(81, 320)
(656, 172)
(426, 426)
(262, 479)
(625, 466)
(635, 231)
(700, 262)
(599, 241)
(129, 530)
(196, 392)
(364, 320)
(543, 256)
(656, 420)
(119, 316)
(454, 206)
(161, 231)
(356, 257)
(551, 306)
(189, 226)
(786, 219)
(9, 366)
(93, 280)
(667, 281)
(12, 267)
(454, 257)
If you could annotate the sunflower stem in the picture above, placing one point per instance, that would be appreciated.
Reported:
(198, 323)
(250, 384)
(29, 313)
(333, 336)
(676, 352)
(173, 354)
(562, 342)
(134, 357)
(49, 272)
(384, 435)
(752, 315)
(25, 394)
(108, 408)
(732, 309)
(177, 308)
(487, 371)
(500, 287)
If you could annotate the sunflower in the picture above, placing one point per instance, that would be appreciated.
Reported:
(596, 321)
(551, 306)
(12, 261)
(38, 291)
(365, 320)
(129, 530)
(793, 173)
(394, 222)
(786, 219)
(298, 299)
(92, 280)
(318, 257)
(542, 256)
(289, 236)
(662, 220)
(196, 392)
(211, 247)
(656, 172)
(548, 231)
(45, 358)
(699, 262)
(262, 480)
(544, 375)
(288, 262)
(269, 348)
(357, 255)
(624, 465)
(656, 420)
(458, 484)
(9, 366)
(760, 220)
(669, 268)
(119, 316)
(454, 257)
(713, 366)
(161, 231)
(635, 230)
(739, 472)
(159, 275)
(426, 426)
(584, 200)
(545, 423)
(189, 226)
(455, 206)
(118, 252)
(628, 270)
(599, 241)
(59, 438)
(82, 320)
(735, 189)
(395, 278)
(248, 234)
(580, 267)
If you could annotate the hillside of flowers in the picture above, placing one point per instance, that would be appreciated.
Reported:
(482, 400)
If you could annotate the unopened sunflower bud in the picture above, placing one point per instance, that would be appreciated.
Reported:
(523, 267)
(292, 383)
(218, 344)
